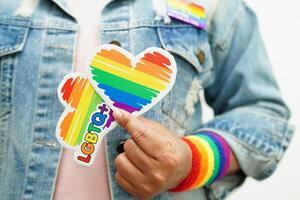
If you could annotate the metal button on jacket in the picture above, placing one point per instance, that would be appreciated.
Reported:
(115, 42)
(201, 57)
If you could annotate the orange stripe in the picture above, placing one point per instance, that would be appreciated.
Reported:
(153, 70)
(116, 56)
(64, 127)
(77, 92)
(204, 160)
(197, 7)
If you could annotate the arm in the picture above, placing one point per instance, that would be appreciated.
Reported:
(250, 115)
(150, 164)
(250, 112)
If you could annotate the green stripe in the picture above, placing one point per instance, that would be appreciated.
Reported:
(96, 100)
(122, 84)
(216, 155)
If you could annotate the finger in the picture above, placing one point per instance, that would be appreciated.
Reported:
(138, 157)
(124, 184)
(157, 127)
(127, 169)
(131, 123)
(144, 136)
(150, 123)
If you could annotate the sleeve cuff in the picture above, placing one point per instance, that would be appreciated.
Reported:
(251, 162)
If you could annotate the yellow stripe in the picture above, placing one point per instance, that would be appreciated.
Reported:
(197, 12)
(90, 97)
(186, 7)
(211, 160)
(80, 114)
(128, 73)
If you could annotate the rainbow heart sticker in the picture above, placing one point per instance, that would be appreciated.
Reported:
(117, 80)
(134, 84)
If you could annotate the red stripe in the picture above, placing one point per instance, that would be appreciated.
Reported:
(67, 89)
(192, 176)
(158, 59)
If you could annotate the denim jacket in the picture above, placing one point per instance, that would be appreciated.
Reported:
(227, 61)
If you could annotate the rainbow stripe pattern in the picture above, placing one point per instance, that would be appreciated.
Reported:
(211, 160)
(117, 79)
(187, 11)
(132, 83)
(76, 92)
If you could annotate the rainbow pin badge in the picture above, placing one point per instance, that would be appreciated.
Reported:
(187, 11)
(117, 80)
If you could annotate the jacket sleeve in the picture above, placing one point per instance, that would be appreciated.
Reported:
(249, 111)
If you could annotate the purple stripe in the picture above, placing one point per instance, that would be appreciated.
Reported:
(227, 156)
(187, 20)
(125, 107)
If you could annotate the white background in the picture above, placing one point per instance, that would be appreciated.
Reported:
(280, 28)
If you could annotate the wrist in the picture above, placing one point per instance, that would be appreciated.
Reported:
(187, 177)
(210, 160)
(188, 161)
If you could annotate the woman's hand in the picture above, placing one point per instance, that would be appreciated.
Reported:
(154, 159)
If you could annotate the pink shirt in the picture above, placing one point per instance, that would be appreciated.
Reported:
(87, 182)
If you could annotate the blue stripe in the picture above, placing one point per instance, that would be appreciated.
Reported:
(123, 97)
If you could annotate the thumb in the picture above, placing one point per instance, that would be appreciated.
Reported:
(141, 134)
(131, 123)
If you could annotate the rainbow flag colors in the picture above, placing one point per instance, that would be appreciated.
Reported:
(117, 80)
(80, 95)
(210, 162)
(187, 11)
(132, 83)
(85, 120)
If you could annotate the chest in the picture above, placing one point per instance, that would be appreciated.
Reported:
(37, 52)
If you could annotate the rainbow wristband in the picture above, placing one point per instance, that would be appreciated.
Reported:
(210, 160)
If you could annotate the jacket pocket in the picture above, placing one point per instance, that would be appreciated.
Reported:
(189, 43)
(191, 49)
(13, 34)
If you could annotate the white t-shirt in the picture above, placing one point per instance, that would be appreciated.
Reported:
(86, 182)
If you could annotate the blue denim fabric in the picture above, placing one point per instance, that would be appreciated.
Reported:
(37, 51)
